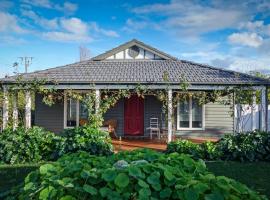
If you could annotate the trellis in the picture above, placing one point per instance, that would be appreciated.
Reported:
(100, 98)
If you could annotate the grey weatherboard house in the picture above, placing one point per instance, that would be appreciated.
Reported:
(135, 63)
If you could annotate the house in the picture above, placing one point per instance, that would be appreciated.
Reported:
(135, 63)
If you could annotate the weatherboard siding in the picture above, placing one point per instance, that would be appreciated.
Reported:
(218, 119)
(152, 109)
(218, 116)
(117, 113)
(49, 117)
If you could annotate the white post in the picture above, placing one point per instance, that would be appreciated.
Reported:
(97, 103)
(253, 112)
(170, 107)
(263, 110)
(238, 118)
(27, 109)
(15, 111)
(5, 107)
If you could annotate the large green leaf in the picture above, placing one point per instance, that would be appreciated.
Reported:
(68, 197)
(168, 175)
(214, 196)
(144, 193)
(44, 169)
(105, 191)
(109, 175)
(143, 184)
(191, 194)
(135, 172)
(153, 178)
(47, 193)
(165, 193)
(91, 190)
(121, 180)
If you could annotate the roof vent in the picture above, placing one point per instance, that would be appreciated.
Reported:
(133, 51)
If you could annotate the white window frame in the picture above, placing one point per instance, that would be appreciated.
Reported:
(190, 117)
(77, 110)
(65, 113)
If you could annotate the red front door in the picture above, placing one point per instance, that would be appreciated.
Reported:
(133, 116)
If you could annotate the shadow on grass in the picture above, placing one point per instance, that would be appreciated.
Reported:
(255, 175)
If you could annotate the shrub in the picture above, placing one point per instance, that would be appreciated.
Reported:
(87, 139)
(210, 151)
(29, 145)
(135, 175)
(252, 146)
(36, 144)
(186, 147)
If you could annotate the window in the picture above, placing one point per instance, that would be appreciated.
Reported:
(190, 115)
(71, 113)
(75, 113)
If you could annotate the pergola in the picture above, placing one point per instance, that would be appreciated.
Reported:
(99, 87)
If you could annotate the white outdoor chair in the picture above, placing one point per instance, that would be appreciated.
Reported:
(154, 128)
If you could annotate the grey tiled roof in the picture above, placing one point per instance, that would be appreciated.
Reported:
(142, 71)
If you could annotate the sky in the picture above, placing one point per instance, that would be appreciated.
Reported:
(230, 34)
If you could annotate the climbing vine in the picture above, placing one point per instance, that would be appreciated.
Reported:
(109, 98)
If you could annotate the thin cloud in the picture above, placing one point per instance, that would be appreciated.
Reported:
(190, 18)
(72, 30)
(66, 7)
(9, 23)
(40, 21)
(246, 39)
(96, 28)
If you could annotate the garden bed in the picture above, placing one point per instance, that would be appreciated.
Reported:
(255, 175)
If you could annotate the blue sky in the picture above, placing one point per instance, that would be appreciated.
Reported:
(230, 34)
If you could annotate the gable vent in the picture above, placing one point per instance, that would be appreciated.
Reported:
(133, 51)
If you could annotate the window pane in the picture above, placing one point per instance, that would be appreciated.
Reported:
(71, 112)
(184, 114)
(196, 114)
(83, 115)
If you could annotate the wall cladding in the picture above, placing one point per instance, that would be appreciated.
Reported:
(49, 117)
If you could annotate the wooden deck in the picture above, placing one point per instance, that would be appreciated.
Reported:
(128, 144)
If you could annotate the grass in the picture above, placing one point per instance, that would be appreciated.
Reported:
(255, 175)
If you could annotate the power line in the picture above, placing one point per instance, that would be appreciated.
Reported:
(26, 61)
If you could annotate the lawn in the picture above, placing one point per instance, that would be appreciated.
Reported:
(255, 175)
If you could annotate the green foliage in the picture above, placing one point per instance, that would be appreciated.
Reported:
(210, 151)
(252, 146)
(29, 145)
(87, 139)
(155, 176)
(36, 144)
(186, 147)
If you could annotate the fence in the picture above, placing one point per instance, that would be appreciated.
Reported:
(245, 120)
